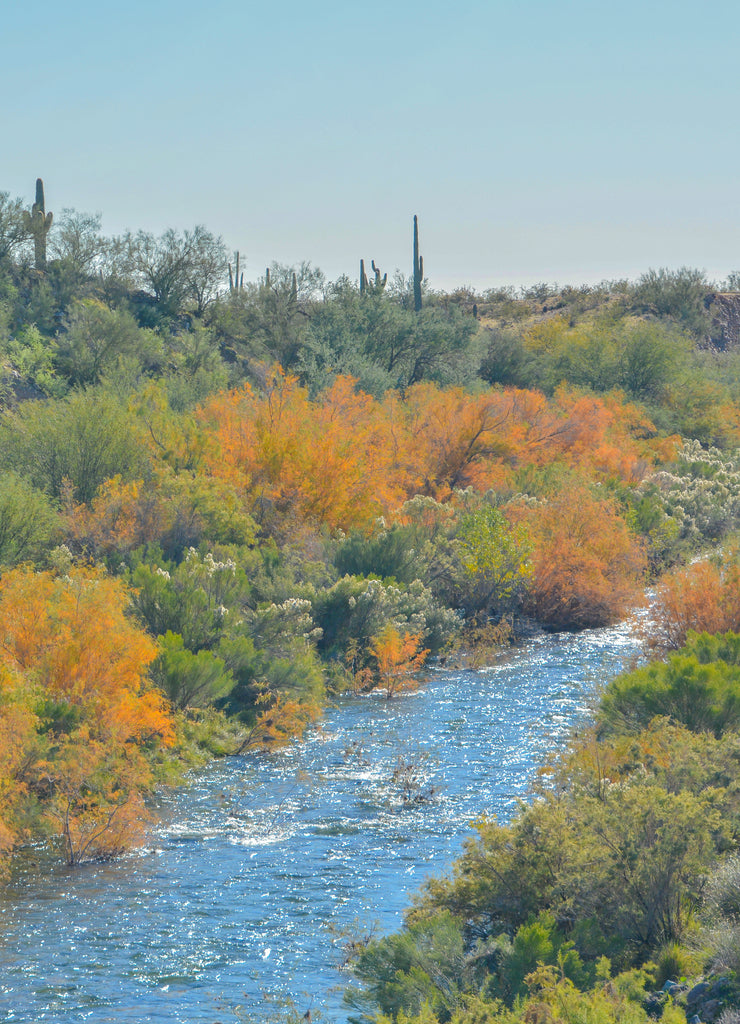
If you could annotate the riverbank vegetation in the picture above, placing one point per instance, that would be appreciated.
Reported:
(612, 894)
(222, 502)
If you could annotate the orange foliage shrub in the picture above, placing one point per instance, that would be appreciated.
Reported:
(329, 462)
(73, 634)
(345, 459)
(446, 439)
(73, 668)
(17, 733)
(398, 658)
(607, 436)
(281, 721)
(702, 597)
(588, 567)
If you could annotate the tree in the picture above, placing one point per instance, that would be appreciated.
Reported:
(76, 241)
(207, 267)
(497, 560)
(177, 268)
(73, 444)
(13, 230)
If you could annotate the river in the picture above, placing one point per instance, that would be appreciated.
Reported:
(258, 873)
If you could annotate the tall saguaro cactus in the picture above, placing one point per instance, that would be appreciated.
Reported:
(38, 225)
(236, 280)
(418, 267)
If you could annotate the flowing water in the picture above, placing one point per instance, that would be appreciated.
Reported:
(262, 870)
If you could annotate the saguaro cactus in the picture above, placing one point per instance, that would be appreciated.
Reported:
(38, 224)
(378, 284)
(236, 280)
(418, 267)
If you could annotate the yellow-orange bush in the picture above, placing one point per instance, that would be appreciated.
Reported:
(344, 459)
(588, 566)
(77, 708)
(702, 597)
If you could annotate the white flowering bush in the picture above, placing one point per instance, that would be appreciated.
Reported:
(355, 609)
(193, 599)
(695, 502)
(277, 627)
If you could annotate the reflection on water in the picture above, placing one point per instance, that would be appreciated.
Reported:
(260, 870)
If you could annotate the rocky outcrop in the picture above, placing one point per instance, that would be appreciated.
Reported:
(724, 313)
(702, 1002)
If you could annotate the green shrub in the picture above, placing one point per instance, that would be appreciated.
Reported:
(695, 687)
(190, 680)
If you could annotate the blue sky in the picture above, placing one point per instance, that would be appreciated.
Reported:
(566, 141)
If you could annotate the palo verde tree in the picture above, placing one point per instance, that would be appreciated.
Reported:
(13, 229)
(178, 271)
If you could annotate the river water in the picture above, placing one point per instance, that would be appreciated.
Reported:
(265, 866)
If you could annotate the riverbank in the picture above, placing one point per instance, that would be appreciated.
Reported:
(619, 877)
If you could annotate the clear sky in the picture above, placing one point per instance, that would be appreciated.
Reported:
(569, 141)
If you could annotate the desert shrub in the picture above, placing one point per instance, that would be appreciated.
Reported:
(73, 445)
(421, 966)
(355, 609)
(588, 566)
(388, 553)
(263, 679)
(705, 697)
(496, 559)
(192, 599)
(189, 680)
(29, 521)
(699, 496)
(678, 294)
(701, 597)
